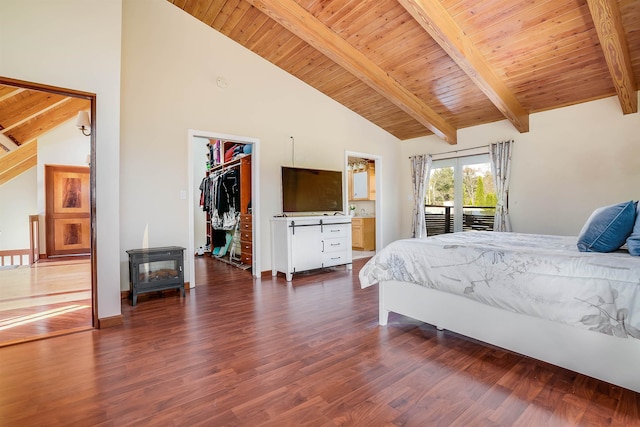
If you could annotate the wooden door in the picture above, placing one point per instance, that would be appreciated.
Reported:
(67, 212)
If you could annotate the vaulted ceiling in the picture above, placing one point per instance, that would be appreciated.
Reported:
(421, 67)
(28, 111)
(25, 114)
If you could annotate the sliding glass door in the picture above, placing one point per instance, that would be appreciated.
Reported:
(460, 195)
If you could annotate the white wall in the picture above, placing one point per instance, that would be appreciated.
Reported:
(572, 160)
(75, 44)
(170, 65)
(18, 200)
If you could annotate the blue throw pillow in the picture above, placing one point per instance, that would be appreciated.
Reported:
(607, 228)
(633, 241)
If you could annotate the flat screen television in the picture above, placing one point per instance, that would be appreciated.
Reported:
(311, 190)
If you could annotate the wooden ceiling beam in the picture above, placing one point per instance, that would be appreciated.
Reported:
(608, 24)
(32, 129)
(33, 115)
(18, 161)
(298, 21)
(7, 92)
(441, 26)
(29, 103)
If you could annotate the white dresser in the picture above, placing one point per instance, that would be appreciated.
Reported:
(309, 242)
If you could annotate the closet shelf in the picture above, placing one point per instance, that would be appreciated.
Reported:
(229, 164)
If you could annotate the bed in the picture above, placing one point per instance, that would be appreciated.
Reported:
(533, 294)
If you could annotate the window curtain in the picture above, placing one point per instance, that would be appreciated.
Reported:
(420, 169)
(500, 155)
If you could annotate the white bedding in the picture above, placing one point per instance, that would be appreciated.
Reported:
(543, 276)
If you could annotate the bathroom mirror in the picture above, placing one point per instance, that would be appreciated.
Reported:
(360, 185)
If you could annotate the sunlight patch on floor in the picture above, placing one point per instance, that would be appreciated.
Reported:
(12, 322)
(63, 297)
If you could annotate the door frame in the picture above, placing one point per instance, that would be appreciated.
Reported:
(379, 194)
(193, 138)
(91, 97)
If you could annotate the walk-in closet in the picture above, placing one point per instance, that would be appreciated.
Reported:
(225, 198)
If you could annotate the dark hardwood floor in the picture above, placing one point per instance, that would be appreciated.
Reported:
(48, 298)
(244, 352)
(44, 321)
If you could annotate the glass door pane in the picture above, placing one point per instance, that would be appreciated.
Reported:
(439, 209)
(460, 195)
(479, 197)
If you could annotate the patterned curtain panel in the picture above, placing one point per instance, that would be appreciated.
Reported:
(420, 169)
(500, 155)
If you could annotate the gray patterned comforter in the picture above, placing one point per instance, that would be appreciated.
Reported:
(538, 275)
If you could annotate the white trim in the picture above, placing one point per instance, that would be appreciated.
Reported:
(255, 195)
(379, 193)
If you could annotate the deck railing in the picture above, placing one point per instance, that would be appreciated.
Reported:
(440, 218)
(12, 257)
(19, 257)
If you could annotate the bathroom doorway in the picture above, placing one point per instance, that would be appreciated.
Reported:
(363, 192)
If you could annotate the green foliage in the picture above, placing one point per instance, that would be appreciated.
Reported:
(480, 196)
(440, 188)
(478, 187)
(491, 200)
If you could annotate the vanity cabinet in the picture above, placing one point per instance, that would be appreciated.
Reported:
(363, 233)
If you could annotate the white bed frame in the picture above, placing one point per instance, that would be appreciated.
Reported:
(612, 359)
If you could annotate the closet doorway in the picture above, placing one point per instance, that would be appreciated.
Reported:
(215, 156)
(364, 202)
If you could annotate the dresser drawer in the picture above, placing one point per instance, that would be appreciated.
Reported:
(335, 230)
(334, 245)
(246, 247)
(246, 236)
(246, 258)
(335, 258)
(246, 225)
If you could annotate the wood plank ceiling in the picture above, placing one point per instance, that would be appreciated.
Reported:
(25, 115)
(421, 67)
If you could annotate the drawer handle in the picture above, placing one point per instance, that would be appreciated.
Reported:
(336, 257)
(335, 244)
(335, 231)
